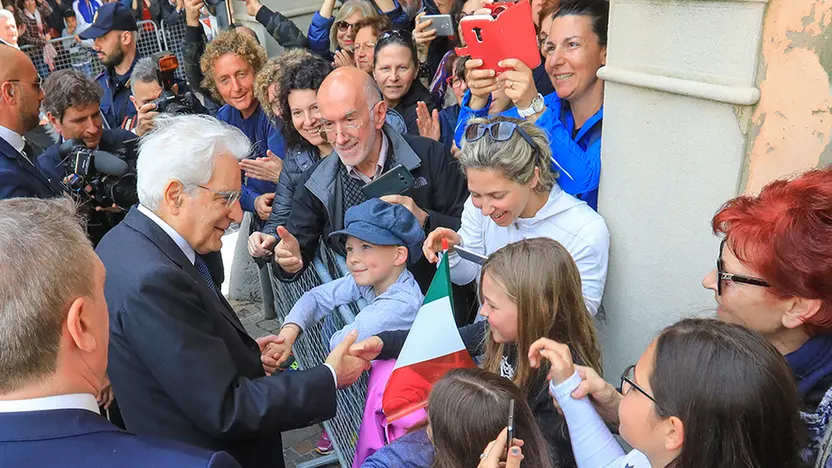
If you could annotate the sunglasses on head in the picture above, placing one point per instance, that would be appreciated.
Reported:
(499, 131)
(393, 34)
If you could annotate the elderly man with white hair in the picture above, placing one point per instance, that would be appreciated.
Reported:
(8, 29)
(181, 363)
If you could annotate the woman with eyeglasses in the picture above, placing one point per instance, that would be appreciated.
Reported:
(395, 69)
(575, 48)
(704, 394)
(772, 276)
(367, 31)
(514, 196)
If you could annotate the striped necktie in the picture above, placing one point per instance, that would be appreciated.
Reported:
(202, 268)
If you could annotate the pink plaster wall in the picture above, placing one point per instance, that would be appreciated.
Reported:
(792, 124)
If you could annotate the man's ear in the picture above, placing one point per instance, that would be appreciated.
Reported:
(380, 114)
(7, 91)
(79, 326)
(55, 122)
(173, 194)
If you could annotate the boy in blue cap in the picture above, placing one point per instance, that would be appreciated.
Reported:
(382, 239)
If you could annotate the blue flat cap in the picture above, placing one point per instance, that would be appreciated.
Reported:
(110, 17)
(381, 223)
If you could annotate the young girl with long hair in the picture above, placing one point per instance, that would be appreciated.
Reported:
(527, 288)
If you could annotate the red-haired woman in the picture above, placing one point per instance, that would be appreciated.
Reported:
(774, 276)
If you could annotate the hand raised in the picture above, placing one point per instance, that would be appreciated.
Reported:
(287, 253)
(433, 243)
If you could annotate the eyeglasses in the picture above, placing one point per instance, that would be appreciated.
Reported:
(722, 276)
(628, 378)
(454, 81)
(343, 26)
(37, 83)
(366, 45)
(328, 128)
(230, 196)
(499, 131)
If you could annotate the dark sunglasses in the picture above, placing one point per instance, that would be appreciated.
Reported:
(499, 131)
(343, 26)
(628, 378)
(722, 276)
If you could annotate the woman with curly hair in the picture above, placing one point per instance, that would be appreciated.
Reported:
(228, 68)
(287, 87)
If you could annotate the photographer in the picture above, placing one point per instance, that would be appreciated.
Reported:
(154, 92)
(72, 107)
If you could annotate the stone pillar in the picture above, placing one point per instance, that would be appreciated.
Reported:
(683, 133)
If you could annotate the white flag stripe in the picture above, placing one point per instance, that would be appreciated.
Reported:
(433, 334)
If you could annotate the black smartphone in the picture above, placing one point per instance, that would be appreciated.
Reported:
(470, 255)
(510, 428)
(396, 181)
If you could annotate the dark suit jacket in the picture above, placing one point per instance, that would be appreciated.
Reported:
(19, 178)
(181, 362)
(77, 438)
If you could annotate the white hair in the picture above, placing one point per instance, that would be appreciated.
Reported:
(7, 15)
(184, 148)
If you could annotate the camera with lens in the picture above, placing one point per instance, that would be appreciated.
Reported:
(103, 179)
(170, 102)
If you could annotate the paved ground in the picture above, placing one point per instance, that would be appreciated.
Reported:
(298, 445)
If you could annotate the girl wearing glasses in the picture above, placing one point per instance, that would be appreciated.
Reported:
(526, 288)
(468, 408)
(704, 394)
(395, 69)
(515, 196)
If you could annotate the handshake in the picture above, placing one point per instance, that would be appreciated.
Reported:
(349, 359)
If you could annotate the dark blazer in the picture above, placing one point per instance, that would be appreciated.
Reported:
(20, 178)
(77, 438)
(181, 362)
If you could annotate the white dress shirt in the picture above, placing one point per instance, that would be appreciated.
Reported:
(382, 159)
(13, 138)
(83, 401)
(191, 254)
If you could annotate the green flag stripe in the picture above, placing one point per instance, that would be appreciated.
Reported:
(441, 284)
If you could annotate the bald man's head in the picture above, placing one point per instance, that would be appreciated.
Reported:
(20, 93)
(247, 31)
(352, 109)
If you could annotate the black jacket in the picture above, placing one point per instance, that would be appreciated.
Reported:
(294, 165)
(550, 422)
(282, 29)
(407, 106)
(181, 362)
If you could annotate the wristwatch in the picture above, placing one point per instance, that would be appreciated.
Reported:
(536, 107)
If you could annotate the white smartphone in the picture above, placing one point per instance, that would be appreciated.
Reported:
(470, 255)
(441, 23)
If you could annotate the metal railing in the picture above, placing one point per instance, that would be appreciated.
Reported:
(173, 36)
(312, 348)
(69, 53)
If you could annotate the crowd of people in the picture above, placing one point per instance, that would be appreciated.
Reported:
(122, 187)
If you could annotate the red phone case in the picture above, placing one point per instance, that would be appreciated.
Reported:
(509, 33)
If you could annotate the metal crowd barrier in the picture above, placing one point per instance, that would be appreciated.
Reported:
(71, 54)
(312, 348)
(173, 36)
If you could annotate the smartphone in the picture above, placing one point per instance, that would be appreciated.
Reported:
(396, 181)
(441, 23)
(509, 428)
(470, 255)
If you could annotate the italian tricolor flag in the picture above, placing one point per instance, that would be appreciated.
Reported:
(433, 347)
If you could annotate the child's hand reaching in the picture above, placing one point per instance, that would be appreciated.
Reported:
(278, 351)
(559, 356)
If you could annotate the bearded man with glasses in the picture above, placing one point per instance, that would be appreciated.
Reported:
(353, 117)
(20, 98)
